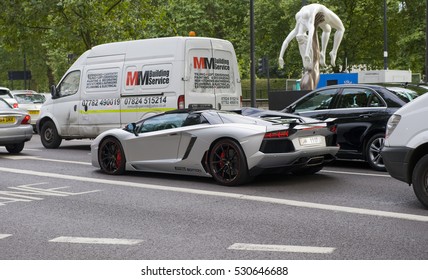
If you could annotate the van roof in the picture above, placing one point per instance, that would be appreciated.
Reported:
(154, 48)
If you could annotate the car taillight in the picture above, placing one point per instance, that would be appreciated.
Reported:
(333, 128)
(180, 102)
(26, 120)
(276, 134)
(15, 105)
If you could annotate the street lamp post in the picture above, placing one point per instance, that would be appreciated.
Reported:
(252, 56)
(385, 38)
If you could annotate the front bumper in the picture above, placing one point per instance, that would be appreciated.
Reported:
(396, 160)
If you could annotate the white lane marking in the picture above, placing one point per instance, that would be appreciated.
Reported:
(104, 241)
(46, 159)
(282, 248)
(356, 173)
(280, 201)
(88, 163)
(3, 236)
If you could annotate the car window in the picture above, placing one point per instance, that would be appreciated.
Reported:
(4, 104)
(5, 94)
(164, 121)
(319, 100)
(70, 84)
(358, 98)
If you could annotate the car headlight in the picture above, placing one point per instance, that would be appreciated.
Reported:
(392, 124)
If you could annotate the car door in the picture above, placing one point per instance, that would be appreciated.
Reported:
(157, 142)
(357, 110)
(66, 102)
(316, 104)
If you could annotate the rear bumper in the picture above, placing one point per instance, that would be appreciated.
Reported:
(283, 162)
(396, 161)
(15, 135)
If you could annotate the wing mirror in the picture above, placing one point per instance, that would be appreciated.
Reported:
(132, 127)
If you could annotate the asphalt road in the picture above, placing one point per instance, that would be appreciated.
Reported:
(55, 205)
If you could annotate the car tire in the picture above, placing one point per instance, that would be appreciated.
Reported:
(420, 180)
(49, 136)
(372, 152)
(308, 170)
(15, 148)
(111, 157)
(228, 164)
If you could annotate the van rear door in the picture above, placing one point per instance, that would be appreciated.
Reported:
(199, 87)
(227, 85)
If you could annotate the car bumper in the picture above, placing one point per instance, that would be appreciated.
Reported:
(396, 160)
(282, 162)
(15, 135)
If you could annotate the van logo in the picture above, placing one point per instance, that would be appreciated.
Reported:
(150, 77)
(210, 63)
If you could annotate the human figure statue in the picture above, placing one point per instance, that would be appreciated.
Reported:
(307, 20)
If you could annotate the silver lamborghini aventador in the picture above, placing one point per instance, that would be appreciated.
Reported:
(227, 146)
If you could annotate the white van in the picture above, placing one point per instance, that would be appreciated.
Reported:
(114, 84)
(405, 151)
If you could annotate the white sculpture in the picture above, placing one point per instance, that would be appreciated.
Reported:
(307, 20)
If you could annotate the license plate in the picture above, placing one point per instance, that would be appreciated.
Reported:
(7, 120)
(33, 112)
(310, 141)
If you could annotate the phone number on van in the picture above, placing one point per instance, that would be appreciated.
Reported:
(145, 100)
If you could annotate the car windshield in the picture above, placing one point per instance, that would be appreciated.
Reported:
(29, 98)
(164, 121)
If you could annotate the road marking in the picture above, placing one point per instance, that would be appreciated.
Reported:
(3, 236)
(282, 248)
(88, 163)
(103, 241)
(295, 203)
(46, 159)
(356, 173)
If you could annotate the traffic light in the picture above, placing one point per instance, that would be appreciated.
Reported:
(262, 66)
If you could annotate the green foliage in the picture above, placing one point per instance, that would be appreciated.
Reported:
(47, 31)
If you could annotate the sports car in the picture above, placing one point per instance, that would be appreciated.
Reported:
(227, 146)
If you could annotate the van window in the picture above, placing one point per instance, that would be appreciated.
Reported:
(70, 84)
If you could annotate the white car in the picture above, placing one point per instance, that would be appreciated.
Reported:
(405, 151)
(227, 146)
(30, 101)
(8, 97)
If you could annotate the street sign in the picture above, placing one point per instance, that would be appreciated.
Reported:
(19, 75)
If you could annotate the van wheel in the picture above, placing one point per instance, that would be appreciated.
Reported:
(373, 148)
(228, 164)
(111, 157)
(49, 135)
(420, 180)
(15, 148)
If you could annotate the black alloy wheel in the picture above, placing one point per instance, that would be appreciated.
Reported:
(111, 157)
(227, 163)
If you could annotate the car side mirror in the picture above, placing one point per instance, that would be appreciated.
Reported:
(54, 92)
(132, 127)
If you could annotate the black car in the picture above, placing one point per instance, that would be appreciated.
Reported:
(361, 113)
